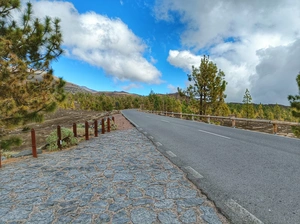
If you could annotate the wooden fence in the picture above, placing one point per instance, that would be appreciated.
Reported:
(87, 126)
(233, 119)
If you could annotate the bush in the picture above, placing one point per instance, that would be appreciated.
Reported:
(296, 131)
(67, 136)
(6, 144)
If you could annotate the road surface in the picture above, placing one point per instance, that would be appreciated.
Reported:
(252, 177)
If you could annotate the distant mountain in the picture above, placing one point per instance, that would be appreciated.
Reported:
(73, 88)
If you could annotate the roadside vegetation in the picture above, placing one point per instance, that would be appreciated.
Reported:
(28, 87)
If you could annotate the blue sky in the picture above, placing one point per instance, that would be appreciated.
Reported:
(136, 46)
(159, 36)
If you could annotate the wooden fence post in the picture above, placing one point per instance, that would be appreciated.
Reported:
(103, 126)
(113, 118)
(180, 115)
(108, 124)
(0, 158)
(208, 119)
(96, 128)
(86, 130)
(33, 141)
(274, 129)
(59, 142)
(233, 122)
(75, 130)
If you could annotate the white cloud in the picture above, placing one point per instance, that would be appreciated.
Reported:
(131, 86)
(183, 59)
(172, 89)
(101, 41)
(153, 60)
(235, 33)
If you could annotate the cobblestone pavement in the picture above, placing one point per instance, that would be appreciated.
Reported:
(119, 177)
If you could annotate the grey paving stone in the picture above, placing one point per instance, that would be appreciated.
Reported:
(64, 211)
(181, 192)
(121, 191)
(190, 202)
(210, 216)
(168, 217)
(4, 211)
(189, 216)
(123, 177)
(83, 218)
(17, 214)
(104, 218)
(135, 193)
(120, 218)
(45, 216)
(155, 192)
(100, 203)
(142, 177)
(161, 176)
(142, 215)
(99, 190)
(164, 204)
(64, 219)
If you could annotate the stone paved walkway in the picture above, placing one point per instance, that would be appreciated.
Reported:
(117, 178)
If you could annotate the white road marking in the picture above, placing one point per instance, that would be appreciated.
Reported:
(140, 129)
(147, 116)
(145, 132)
(170, 153)
(193, 172)
(150, 137)
(165, 121)
(234, 206)
(222, 136)
(158, 144)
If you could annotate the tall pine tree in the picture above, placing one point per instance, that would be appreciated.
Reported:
(295, 105)
(208, 86)
(28, 87)
(248, 109)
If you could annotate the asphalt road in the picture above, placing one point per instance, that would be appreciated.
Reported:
(252, 177)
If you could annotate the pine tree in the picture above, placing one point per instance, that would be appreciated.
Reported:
(28, 87)
(260, 112)
(277, 112)
(248, 109)
(295, 105)
(208, 86)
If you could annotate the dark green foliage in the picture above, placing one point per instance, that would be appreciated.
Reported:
(207, 88)
(295, 105)
(28, 87)
(6, 144)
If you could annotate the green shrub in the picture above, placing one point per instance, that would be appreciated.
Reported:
(296, 131)
(67, 136)
(5, 144)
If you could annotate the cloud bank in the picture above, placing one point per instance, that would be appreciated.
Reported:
(256, 43)
(102, 42)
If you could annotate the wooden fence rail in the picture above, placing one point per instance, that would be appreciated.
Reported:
(233, 119)
(87, 125)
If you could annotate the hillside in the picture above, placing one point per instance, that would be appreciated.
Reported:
(73, 88)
